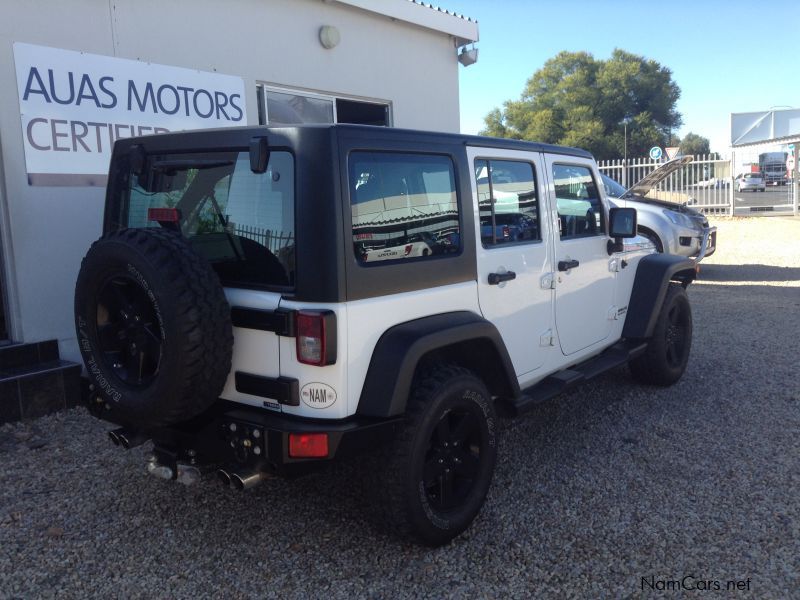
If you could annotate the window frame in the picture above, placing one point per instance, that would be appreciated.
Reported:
(264, 88)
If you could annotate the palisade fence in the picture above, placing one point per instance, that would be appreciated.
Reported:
(275, 241)
(706, 183)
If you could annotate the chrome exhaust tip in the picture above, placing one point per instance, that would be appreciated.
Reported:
(224, 477)
(130, 439)
(112, 435)
(245, 481)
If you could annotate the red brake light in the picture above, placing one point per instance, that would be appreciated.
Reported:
(316, 337)
(308, 445)
(164, 215)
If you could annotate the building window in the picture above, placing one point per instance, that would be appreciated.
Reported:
(278, 106)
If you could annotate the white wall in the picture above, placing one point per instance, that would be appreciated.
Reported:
(47, 230)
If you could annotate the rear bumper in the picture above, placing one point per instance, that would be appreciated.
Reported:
(241, 438)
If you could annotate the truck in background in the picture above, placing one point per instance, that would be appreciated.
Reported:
(773, 167)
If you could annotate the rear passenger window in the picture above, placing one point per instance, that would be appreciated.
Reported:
(507, 202)
(404, 206)
(580, 211)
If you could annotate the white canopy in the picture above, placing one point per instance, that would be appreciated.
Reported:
(765, 126)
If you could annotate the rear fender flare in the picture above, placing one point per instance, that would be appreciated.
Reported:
(462, 337)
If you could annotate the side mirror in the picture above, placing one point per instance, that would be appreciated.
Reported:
(622, 224)
(259, 154)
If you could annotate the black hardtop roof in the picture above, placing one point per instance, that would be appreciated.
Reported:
(171, 138)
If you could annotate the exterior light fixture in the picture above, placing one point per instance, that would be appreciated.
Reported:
(468, 57)
(329, 36)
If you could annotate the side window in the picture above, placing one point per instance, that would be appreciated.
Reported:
(404, 206)
(580, 210)
(507, 202)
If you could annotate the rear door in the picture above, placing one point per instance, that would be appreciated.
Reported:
(585, 279)
(513, 251)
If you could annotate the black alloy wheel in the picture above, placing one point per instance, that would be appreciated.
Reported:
(128, 332)
(452, 460)
(678, 325)
(667, 354)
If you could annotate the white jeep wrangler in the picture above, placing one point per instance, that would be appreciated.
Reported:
(234, 314)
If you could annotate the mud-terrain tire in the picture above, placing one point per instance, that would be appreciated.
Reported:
(153, 326)
(438, 470)
(667, 354)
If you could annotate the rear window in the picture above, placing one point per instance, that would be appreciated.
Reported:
(242, 222)
(752, 176)
(404, 206)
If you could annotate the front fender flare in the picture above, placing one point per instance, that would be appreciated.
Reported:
(653, 276)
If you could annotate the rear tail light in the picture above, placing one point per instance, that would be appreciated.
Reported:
(308, 445)
(316, 337)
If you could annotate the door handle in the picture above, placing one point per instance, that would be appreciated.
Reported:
(566, 265)
(496, 278)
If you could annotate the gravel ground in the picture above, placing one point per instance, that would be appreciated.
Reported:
(611, 484)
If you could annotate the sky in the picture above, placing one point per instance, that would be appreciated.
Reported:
(726, 56)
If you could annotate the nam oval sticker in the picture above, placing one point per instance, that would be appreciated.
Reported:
(318, 395)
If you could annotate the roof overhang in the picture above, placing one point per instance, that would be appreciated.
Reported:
(752, 128)
(463, 29)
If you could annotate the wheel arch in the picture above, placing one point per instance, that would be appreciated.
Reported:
(649, 231)
(653, 276)
(462, 338)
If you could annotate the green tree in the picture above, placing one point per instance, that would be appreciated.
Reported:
(577, 100)
(694, 144)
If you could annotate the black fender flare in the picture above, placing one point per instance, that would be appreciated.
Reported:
(462, 336)
(653, 276)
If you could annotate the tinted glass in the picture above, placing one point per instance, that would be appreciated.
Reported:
(579, 208)
(242, 222)
(507, 202)
(404, 206)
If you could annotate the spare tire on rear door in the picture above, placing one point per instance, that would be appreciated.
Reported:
(153, 326)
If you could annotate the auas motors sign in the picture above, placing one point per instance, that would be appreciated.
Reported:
(75, 105)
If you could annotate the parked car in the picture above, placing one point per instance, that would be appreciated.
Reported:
(253, 367)
(751, 181)
(670, 227)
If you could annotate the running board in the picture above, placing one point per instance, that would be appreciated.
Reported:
(553, 385)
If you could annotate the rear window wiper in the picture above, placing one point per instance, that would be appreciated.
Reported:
(182, 164)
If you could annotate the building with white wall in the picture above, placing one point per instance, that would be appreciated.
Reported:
(76, 74)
